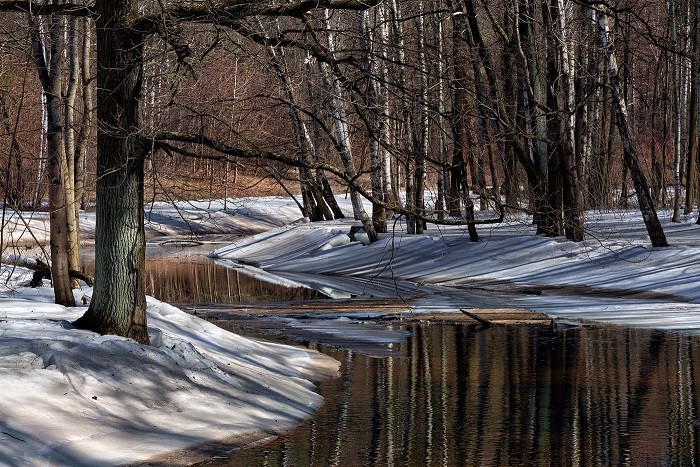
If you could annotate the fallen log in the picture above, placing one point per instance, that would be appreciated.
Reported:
(478, 318)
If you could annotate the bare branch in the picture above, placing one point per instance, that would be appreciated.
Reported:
(230, 13)
(164, 142)
(37, 9)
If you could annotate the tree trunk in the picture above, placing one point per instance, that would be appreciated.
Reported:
(70, 145)
(51, 65)
(314, 143)
(315, 206)
(691, 180)
(676, 118)
(553, 209)
(536, 118)
(442, 172)
(343, 134)
(118, 304)
(423, 153)
(459, 116)
(573, 217)
(88, 123)
(378, 123)
(646, 204)
(459, 186)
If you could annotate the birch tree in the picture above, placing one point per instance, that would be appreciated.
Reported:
(573, 222)
(646, 204)
(344, 143)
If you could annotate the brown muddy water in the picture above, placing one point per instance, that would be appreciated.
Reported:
(461, 395)
(180, 272)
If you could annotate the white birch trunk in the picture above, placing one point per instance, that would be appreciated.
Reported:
(343, 132)
(646, 205)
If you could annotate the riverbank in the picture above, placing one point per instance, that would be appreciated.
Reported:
(72, 397)
(614, 276)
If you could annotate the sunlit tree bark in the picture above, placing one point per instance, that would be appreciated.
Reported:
(118, 303)
(51, 62)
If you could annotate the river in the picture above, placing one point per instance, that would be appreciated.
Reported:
(504, 396)
(452, 395)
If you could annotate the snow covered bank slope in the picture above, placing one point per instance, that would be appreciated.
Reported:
(72, 397)
(239, 216)
(615, 260)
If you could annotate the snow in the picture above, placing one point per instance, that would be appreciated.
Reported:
(72, 397)
(615, 275)
(191, 218)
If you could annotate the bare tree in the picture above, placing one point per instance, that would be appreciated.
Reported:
(646, 204)
(119, 305)
(51, 63)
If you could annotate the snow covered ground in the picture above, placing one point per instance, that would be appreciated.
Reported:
(71, 397)
(615, 275)
(191, 218)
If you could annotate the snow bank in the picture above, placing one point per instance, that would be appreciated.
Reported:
(506, 252)
(72, 397)
(237, 216)
(594, 279)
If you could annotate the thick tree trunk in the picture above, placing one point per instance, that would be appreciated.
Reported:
(119, 302)
(646, 204)
(57, 170)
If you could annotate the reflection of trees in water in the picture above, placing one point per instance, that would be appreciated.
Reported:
(506, 396)
(193, 280)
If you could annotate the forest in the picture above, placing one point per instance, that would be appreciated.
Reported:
(436, 111)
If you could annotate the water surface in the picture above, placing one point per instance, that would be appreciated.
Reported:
(453, 395)
(504, 396)
(197, 279)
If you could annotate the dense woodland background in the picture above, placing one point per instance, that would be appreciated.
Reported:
(551, 107)
(510, 99)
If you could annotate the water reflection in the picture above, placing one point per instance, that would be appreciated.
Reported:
(505, 396)
(196, 279)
